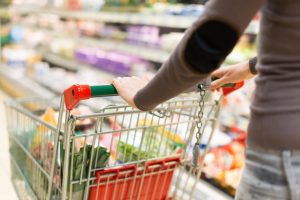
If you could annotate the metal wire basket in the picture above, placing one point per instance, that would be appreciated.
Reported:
(124, 153)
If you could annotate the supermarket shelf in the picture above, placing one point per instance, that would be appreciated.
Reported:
(114, 17)
(94, 104)
(147, 53)
(61, 62)
(20, 86)
(75, 66)
(160, 20)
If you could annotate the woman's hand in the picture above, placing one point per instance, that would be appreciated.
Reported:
(231, 74)
(127, 87)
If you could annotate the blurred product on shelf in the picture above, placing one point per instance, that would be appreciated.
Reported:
(89, 5)
(30, 2)
(165, 7)
(115, 62)
(224, 164)
(176, 16)
(16, 34)
(70, 4)
(144, 35)
(17, 56)
(4, 3)
(192, 10)
(170, 40)
(45, 74)
(63, 47)
(193, 1)
(4, 36)
(4, 18)
(244, 50)
(112, 32)
(88, 28)
(132, 5)
(235, 108)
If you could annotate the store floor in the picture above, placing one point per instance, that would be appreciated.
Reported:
(7, 191)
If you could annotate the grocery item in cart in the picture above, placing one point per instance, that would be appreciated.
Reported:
(40, 149)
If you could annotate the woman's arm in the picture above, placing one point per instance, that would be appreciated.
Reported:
(201, 51)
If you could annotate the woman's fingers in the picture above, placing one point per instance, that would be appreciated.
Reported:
(218, 83)
(219, 73)
(127, 87)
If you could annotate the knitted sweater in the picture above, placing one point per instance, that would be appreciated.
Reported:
(275, 110)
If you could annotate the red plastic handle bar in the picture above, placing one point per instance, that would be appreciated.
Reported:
(229, 87)
(228, 90)
(129, 169)
(154, 165)
(172, 162)
(107, 174)
(74, 94)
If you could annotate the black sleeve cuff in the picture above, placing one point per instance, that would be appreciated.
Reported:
(252, 65)
(209, 45)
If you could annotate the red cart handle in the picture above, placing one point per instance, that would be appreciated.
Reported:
(228, 90)
(74, 94)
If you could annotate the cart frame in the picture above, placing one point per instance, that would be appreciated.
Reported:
(58, 175)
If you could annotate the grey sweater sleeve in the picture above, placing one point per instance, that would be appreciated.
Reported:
(203, 48)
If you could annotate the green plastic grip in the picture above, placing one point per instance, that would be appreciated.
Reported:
(228, 85)
(103, 90)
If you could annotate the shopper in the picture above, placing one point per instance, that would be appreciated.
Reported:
(273, 146)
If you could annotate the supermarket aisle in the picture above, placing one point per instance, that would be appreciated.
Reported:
(7, 191)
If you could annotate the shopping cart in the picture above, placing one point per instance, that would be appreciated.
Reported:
(123, 153)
